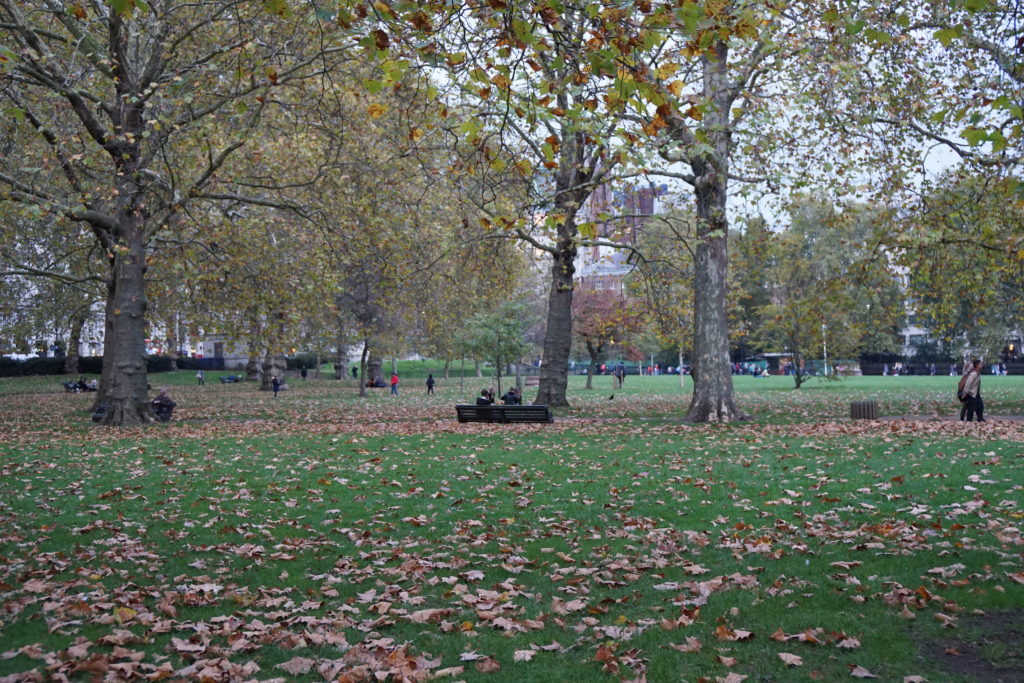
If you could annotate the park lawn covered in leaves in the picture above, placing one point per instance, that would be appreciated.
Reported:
(318, 537)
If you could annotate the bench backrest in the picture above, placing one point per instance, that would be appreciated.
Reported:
(501, 413)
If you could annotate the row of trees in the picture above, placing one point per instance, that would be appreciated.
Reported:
(351, 170)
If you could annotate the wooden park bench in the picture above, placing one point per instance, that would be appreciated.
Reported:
(504, 414)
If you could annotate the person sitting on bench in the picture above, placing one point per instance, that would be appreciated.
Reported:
(163, 406)
(484, 399)
(512, 397)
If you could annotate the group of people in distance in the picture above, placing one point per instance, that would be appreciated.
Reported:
(512, 397)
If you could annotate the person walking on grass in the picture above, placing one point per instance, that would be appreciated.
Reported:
(275, 384)
(394, 383)
(620, 374)
(201, 377)
(430, 383)
(971, 392)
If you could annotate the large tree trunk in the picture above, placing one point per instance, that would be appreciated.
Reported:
(103, 390)
(447, 368)
(341, 358)
(595, 357)
(374, 364)
(274, 364)
(173, 342)
(127, 397)
(554, 369)
(362, 367)
(572, 189)
(253, 369)
(75, 340)
(713, 399)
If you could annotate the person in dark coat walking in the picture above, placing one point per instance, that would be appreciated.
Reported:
(275, 384)
(430, 383)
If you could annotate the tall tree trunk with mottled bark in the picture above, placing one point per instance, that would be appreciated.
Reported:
(362, 367)
(253, 366)
(127, 398)
(274, 365)
(75, 340)
(341, 357)
(713, 398)
(554, 369)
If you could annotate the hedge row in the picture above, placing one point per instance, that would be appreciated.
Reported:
(87, 365)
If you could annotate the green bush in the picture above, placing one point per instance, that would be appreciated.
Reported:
(302, 360)
(9, 367)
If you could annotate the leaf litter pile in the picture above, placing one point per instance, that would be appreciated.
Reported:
(393, 544)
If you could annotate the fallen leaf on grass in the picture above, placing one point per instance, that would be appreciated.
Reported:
(791, 659)
(727, 661)
(487, 665)
(848, 643)
(723, 632)
(846, 565)
(858, 671)
(914, 679)
(424, 616)
(523, 655)
(731, 678)
(182, 645)
(449, 671)
(297, 666)
(692, 645)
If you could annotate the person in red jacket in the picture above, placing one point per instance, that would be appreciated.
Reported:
(394, 383)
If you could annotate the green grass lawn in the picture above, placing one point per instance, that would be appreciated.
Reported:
(318, 535)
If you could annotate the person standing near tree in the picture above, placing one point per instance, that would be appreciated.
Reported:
(972, 394)
(394, 383)
(275, 384)
(430, 383)
(201, 377)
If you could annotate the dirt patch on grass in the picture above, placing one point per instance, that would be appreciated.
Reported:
(988, 648)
